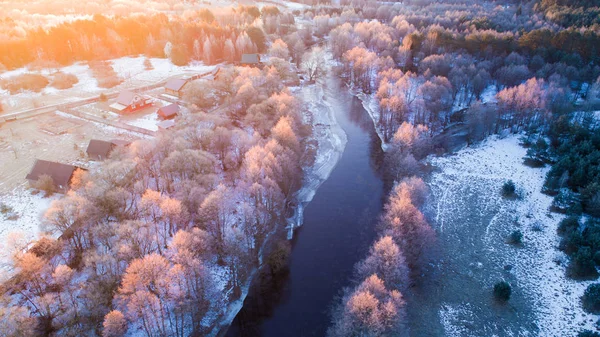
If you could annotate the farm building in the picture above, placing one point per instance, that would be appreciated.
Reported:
(250, 59)
(166, 124)
(61, 174)
(175, 86)
(168, 111)
(129, 101)
(99, 149)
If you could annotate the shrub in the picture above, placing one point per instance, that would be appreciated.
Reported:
(31, 82)
(502, 291)
(591, 298)
(5, 209)
(64, 81)
(46, 184)
(588, 333)
(105, 74)
(509, 189)
(515, 238)
(148, 64)
(568, 225)
(537, 227)
(582, 264)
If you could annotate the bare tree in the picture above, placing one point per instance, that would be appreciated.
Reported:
(314, 63)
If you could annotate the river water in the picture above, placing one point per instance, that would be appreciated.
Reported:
(339, 225)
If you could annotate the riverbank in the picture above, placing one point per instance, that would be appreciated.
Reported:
(330, 141)
(339, 225)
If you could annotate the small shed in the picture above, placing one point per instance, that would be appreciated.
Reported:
(166, 124)
(175, 86)
(99, 149)
(129, 101)
(168, 111)
(250, 59)
(61, 174)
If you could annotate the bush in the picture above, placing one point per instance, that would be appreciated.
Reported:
(502, 291)
(582, 264)
(515, 238)
(509, 189)
(148, 64)
(568, 225)
(591, 298)
(105, 74)
(46, 184)
(588, 333)
(31, 82)
(64, 81)
(5, 209)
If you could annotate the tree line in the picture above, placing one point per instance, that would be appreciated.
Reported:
(204, 37)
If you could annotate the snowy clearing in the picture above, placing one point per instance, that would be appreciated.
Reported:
(469, 212)
(130, 69)
(27, 212)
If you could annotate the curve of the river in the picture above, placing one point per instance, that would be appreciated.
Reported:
(339, 226)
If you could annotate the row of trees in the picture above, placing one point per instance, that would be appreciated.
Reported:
(206, 37)
(167, 230)
(375, 306)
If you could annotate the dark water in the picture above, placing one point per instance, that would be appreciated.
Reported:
(339, 226)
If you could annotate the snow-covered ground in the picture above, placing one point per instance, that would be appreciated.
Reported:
(148, 122)
(25, 225)
(369, 102)
(473, 219)
(130, 69)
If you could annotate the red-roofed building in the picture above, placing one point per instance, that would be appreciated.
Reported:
(129, 102)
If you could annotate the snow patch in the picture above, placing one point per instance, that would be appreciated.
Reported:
(24, 220)
(554, 298)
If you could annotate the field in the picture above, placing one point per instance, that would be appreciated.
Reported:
(54, 136)
(470, 215)
(130, 69)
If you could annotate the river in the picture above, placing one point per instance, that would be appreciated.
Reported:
(339, 225)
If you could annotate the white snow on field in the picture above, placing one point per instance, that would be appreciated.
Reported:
(556, 298)
(130, 69)
(28, 210)
(147, 122)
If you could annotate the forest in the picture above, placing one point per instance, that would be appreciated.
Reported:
(142, 238)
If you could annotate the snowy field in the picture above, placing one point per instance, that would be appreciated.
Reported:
(130, 69)
(22, 224)
(473, 221)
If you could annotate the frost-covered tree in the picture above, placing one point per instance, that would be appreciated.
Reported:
(279, 49)
(387, 262)
(314, 63)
